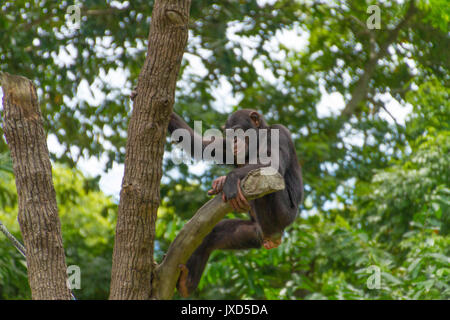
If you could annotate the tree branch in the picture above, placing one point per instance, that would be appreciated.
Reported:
(255, 185)
(360, 91)
(38, 211)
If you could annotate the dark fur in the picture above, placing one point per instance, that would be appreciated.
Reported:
(272, 213)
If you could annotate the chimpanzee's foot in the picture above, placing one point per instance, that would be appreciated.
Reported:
(182, 288)
(269, 243)
(217, 185)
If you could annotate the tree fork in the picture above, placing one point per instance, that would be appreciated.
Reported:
(38, 212)
(139, 198)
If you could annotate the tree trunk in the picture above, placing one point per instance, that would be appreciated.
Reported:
(139, 198)
(38, 212)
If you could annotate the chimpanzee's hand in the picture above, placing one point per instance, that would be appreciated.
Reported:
(217, 185)
(232, 192)
(230, 186)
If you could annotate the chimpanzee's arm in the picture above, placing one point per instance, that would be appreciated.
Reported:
(176, 122)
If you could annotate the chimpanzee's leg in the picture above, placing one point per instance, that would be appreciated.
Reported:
(273, 214)
(227, 234)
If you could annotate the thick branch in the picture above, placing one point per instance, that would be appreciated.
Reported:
(38, 212)
(255, 185)
(139, 198)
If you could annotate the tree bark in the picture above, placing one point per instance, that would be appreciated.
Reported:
(38, 211)
(255, 185)
(139, 198)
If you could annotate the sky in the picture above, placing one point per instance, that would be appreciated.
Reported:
(331, 103)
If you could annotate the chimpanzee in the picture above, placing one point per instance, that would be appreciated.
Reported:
(269, 215)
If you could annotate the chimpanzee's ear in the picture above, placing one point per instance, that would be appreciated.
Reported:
(255, 118)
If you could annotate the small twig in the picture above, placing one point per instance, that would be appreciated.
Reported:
(13, 239)
(390, 114)
(381, 105)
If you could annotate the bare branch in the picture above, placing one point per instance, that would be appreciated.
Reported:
(381, 105)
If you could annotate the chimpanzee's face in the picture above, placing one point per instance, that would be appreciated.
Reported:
(239, 123)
